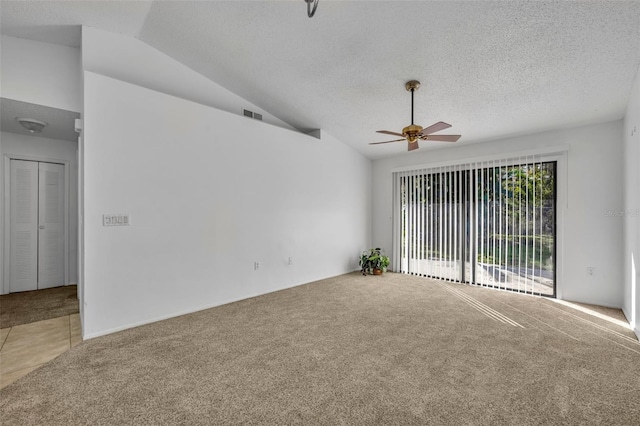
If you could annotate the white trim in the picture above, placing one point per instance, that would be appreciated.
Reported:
(542, 154)
(7, 213)
(562, 203)
(6, 226)
(67, 213)
(80, 227)
(191, 311)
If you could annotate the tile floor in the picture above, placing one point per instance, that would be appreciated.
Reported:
(24, 348)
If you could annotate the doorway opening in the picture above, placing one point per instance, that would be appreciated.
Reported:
(36, 271)
(37, 258)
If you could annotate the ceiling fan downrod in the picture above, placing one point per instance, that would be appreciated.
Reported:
(412, 86)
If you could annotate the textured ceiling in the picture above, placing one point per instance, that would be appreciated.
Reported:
(59, 22)
(491, 69)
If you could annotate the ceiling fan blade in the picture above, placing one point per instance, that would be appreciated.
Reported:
(387, 132)
(442, 138)
(440, 125)
(413, 146)
(378, 143)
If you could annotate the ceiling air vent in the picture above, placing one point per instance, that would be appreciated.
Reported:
(251, 114)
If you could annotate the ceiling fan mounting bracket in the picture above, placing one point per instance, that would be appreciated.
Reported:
(412, 85)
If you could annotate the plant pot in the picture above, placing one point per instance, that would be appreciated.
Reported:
(377, 271)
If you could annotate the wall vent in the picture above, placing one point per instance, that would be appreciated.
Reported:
(251, 114)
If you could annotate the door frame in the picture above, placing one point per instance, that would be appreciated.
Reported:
(7, 213)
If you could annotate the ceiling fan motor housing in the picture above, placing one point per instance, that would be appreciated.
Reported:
(412, 132)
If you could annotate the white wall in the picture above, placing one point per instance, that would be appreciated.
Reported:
(43, 148)
(209, 194)
(590, 237)
(631, 254)
(136, 62)
(40, 73)
(2, 221)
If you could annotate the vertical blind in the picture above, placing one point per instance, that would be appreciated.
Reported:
(489, 223)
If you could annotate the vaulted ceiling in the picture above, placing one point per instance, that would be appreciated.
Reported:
(490, 68)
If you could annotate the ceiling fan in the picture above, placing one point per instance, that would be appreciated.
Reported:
(413, 132)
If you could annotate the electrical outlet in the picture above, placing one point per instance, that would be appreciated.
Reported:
(256, 265)
(591, 270)
(290, 260)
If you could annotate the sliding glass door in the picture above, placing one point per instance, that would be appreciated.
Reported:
(489, 224)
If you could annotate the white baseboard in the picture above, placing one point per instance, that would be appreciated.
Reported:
(88, 336)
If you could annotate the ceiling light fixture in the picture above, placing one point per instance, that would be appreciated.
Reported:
(31, 124)
(310, 11)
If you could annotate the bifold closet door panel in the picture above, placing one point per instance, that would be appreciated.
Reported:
(51, 225)
(24, 226)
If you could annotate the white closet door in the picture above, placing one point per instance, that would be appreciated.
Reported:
(51, 225)
(24, 226)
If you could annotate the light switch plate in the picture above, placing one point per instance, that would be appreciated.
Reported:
(121, 219)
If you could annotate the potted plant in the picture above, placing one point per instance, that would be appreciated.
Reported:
(374, 262)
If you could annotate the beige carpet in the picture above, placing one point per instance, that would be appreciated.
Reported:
(362, 350)
(32, 306)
